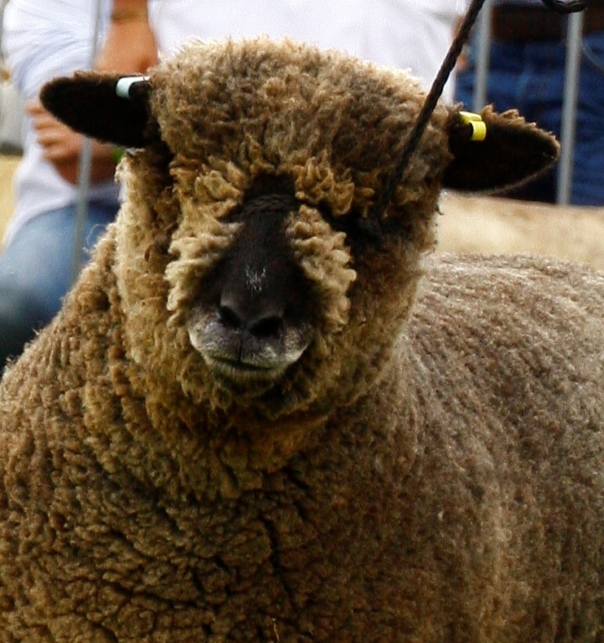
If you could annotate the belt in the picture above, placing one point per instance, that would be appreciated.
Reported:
(515, 23)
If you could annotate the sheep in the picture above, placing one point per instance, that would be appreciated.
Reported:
(489, 224)
(264, 413)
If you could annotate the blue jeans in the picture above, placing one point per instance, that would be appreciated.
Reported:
(36, 271)
(530, 78)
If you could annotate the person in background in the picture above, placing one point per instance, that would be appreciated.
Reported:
(406, 34)
(42, 40)
(46, 38)
(527, 72)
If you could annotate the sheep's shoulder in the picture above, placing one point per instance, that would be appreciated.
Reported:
(508, 354)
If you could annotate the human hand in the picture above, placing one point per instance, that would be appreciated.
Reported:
(59, 142)
(62, 147)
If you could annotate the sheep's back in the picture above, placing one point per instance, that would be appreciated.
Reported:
(514, 324)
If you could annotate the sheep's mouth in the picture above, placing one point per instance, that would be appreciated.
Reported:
(235, 369)
(241, 356)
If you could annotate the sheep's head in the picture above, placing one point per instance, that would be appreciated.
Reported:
(251, 264)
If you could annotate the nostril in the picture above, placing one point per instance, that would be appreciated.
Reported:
(230, 318)
(262, 324)
(268, 327)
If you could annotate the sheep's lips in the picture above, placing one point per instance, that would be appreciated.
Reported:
(237, 354)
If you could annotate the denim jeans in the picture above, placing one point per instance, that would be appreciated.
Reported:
(530, 78)
(36, 271)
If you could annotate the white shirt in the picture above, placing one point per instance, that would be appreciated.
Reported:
(409, 34)
(42, 39)
(46, 38)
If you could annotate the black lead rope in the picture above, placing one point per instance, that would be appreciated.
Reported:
(462, 36)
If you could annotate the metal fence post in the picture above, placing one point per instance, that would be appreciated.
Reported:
(85, 165)
(483, 39)
(569, 108)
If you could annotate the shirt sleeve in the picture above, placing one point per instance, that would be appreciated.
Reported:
(46, 38)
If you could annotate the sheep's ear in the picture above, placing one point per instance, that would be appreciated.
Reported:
(495, 151)
(110, 108)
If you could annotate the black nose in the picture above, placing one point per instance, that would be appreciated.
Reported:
(258, 287)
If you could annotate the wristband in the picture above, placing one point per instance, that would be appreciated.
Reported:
(129, 15)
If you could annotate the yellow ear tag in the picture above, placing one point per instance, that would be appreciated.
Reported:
(479, 127)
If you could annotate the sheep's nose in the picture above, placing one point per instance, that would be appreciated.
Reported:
(261, 321)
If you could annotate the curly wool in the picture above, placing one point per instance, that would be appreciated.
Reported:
(430, 468)
(298, 113)
(200, 517)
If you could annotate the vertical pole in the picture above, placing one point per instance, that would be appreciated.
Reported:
(2, 5)
(569, 108)
(482, 56)
(85, 165)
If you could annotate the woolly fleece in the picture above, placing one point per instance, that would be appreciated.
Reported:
(430, 470)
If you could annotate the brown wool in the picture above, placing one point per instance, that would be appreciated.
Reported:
(429, 469)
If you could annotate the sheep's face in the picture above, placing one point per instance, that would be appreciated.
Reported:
(274, 291)
(252, 268)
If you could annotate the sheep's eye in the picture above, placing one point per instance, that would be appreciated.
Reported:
(283, 203)
(360, 231)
